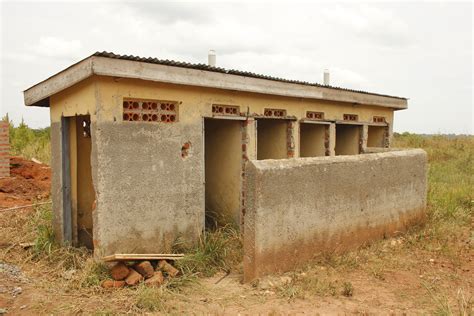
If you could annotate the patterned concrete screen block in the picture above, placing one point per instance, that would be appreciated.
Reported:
(299, 208)
(4, 150)
(150, 111)
(231, 110)
(350, 117)
(311, 115)
(274, 113)
(379, 119)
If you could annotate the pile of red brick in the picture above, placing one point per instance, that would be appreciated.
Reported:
(4, 150)
(151, 273)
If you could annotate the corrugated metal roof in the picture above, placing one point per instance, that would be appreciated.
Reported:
(205, 67)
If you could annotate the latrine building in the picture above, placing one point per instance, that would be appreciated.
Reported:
(144, 150)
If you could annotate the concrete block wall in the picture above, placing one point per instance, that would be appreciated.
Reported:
(297, 208)
(148, 193)
(4, 150)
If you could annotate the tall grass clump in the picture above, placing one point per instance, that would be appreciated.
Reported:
(84, 270)
(216, 250)
(28, 142)
(41, 224)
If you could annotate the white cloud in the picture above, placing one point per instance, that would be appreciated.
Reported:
(372, 23)
(419, 50)
(50, 46)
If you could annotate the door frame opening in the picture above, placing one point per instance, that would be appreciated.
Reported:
(347, 144)
(78, 190)
(224, 148)
(310, 147)
(282, 131)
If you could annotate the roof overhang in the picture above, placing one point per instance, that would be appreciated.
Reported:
(38, 95)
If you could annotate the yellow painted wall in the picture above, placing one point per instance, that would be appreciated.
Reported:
(85, 194)
(376, 136)
(347, 139)
(272, 140)
(223, 154)
(197, 102)
(312, 140)
(76, 100)
(102, 97)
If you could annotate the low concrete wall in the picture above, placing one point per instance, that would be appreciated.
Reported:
(297, 208)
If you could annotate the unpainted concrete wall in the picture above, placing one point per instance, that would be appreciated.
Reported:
(147, 193)
(297, 208)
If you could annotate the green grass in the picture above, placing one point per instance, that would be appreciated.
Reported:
(217, 250)
(451, 188)
(88, 272)
(41, 224)
(93, 272)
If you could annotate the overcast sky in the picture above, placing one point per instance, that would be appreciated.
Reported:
(418, 50)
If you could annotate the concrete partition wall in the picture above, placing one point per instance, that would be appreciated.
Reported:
(148, 193)
(298, 208)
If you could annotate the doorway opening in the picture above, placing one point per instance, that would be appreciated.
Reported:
(314, 140)
(272, 139)
(223, 168)
(79, 194)
(348, 139)
(376, 136)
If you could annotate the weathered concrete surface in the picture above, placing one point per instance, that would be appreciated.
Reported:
(148, 195)
(56, 181)
(297, 208)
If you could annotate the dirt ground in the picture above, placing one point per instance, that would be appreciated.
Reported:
(393, 276)
(28, 182)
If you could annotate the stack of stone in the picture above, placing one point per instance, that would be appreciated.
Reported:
(152, 273)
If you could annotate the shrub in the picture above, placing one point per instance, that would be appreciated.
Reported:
(30, 143)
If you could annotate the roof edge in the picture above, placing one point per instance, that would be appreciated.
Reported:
(38, 95)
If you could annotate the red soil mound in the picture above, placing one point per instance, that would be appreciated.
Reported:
(28, 182)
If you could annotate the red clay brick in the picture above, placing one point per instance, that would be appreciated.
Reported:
(133, 277)
(168, 268)
(119, 271)
(145, 269)
(156, 280)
